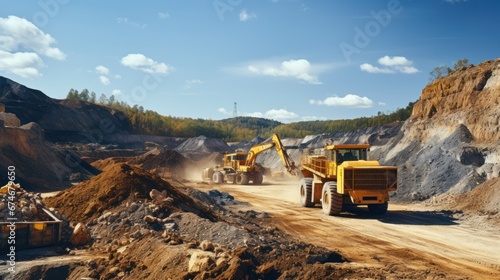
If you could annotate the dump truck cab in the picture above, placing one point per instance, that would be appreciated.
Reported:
(342, 175)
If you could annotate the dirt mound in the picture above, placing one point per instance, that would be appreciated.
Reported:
(116, 185)
(163, 160)
(198, 147)
(484, 199)
(38, 165)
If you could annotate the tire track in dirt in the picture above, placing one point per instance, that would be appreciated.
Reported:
(416, 239)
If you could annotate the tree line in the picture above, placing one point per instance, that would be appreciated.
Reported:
(233, 129)
(443, 70)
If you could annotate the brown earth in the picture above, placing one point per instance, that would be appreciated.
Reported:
(163, 160)
(117, 184)
(38, 165)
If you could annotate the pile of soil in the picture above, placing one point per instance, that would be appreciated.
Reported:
(39, 166)
(480, 205)
(198, 147)
(117, 184)
(163, 160)
(149, 229)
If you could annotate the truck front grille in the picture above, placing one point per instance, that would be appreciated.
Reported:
(370, 179)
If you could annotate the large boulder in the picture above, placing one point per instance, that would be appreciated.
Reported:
(80, 235)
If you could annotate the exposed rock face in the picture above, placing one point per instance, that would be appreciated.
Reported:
(63, 120)
(469, 96)
(10, 119)
(451, 141)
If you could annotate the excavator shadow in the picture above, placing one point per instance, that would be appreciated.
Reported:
(406, 217)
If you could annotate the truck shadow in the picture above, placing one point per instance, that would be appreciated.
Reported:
(405, 217)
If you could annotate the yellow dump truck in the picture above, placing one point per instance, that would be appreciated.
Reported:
(341, 175)
(240, 167)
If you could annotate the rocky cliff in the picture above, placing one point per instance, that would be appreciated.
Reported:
(450, 144)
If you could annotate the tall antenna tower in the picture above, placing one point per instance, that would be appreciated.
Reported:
(235, 111)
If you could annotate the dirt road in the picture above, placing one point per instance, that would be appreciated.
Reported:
(407, 236)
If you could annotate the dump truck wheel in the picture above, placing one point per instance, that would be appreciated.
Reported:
(258, 178)
(207, 174)
(331, 201)
(242, 179)
(306, 192)
(378, 209)
(218, 177)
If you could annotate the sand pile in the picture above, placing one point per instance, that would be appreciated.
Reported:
(117, 184)
(198, 147)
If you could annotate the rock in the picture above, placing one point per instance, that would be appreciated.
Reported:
(33, 209)
(137, 234)
(114, 270)
(207, 245)
(170, 226)
(200, 261)
(265, 268)
(123, 241)
(150, 219)
(133, 207)
(80, 235)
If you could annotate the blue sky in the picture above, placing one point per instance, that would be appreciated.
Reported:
(287, 60)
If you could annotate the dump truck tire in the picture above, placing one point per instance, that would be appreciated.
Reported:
(242, 179)
(207, 174)
(378, 209)
(258, 178)
(306, 192)
(331, 201)
(218, 177)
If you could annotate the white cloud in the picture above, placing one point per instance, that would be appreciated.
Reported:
(373, 69)
(126, 21)
(254, 114)
(188, 84)
(140, 62)
(23, 64)
(104, 80)
(350, 100)
(382, 103)
(395, 64)
(22, 44)
(300, 69)
(275, 114)
(163, 15)
(244, 15)
(224, 111)
(102, 70)
(280, 114)
(116, 92)
(312, 118)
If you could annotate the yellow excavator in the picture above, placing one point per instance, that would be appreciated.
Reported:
(240, 167)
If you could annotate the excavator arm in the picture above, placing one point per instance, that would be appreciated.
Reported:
(285, 158)
(280, 149)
